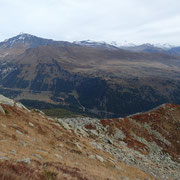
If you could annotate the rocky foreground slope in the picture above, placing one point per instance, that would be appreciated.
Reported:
(141, 146)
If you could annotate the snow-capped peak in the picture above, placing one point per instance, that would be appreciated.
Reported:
(164, 46)
(122, 44)
(21, 38)
(88, 42)
(96, 44)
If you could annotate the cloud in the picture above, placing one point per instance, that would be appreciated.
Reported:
(137, 21)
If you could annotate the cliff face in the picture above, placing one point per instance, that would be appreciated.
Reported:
(141, 146)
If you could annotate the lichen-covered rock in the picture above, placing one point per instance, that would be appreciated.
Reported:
(9, 102)
(2, 110)
(6, 101)
(26, 160)
(21, 106)
(38, 156)
(4, 158)
(64, 124)
(100, 158)
(91, 156)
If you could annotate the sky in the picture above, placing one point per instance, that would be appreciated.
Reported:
(133, 21)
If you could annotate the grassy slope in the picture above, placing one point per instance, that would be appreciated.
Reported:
(61, 113)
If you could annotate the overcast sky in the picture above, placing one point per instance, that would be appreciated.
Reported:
(135, 21)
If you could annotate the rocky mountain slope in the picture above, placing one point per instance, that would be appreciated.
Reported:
(141, 146)
(105, 82)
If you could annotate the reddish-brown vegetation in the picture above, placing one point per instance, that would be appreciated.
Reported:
(159, 126)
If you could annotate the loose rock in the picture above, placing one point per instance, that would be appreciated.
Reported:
(2, 110)
(100, 158)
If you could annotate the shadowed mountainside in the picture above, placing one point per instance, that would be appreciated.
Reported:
(105, 82)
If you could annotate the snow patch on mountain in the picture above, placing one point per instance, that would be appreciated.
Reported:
(164, 46)
(119, 45)
(95, 44)
(122, 44)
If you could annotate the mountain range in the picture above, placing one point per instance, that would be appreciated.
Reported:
(95, 78)
(161, 48)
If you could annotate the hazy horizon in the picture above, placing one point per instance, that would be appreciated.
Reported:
(101, 41)
(134, 21)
